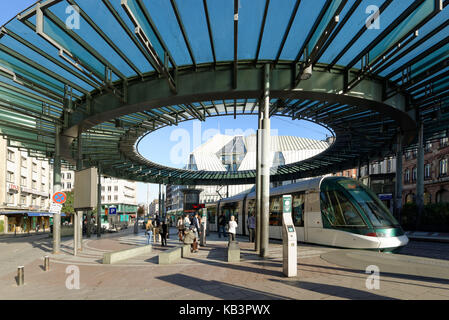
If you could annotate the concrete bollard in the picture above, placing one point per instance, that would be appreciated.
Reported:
(20, 275)
(233, 252)
(46, 263)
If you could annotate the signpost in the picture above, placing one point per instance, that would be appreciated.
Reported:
(59, 197)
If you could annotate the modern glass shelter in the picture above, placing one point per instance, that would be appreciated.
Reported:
(107, 72)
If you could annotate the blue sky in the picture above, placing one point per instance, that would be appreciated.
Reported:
(157, 146)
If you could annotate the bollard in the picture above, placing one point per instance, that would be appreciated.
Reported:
(46, 263)
(20, 275)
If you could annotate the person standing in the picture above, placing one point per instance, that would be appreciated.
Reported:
(164, 229)
(180, 226)
(222, 226)
(196, 225)
(232, 229)
(252, 227)
(149, 231)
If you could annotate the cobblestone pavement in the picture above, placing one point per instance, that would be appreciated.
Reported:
(206, 275)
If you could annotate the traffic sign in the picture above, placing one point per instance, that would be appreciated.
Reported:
(55, 208)
(112, 210)
(59, 197)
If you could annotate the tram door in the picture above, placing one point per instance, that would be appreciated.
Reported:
(313, 221)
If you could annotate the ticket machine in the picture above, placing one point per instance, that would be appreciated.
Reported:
(289, 255)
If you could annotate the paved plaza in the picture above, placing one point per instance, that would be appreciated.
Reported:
(323, 273)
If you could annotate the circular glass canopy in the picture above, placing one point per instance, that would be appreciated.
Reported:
(104, 73)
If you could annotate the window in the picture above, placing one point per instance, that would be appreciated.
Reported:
(102, 189)
(407, 176)
(444, 142)
(102, 198)
(10, 198)
(338, 210)
(389, 165)
(69, 175)
(23, 181)
(116, 188)
(33, 184)
(275, 211)
(43, 187)
(10, 177)
(298, 209)
(69, 185)
(414, 173)
(443, 167)
(34, 167)
(428, 147)
(24, 162)
(379, 167)
(427, 174)
(11, 155)
(23, 200)
(109, 198)
(109, 188)
(115, 198)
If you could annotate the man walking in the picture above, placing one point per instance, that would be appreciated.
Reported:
(222, 226)
(251, 227)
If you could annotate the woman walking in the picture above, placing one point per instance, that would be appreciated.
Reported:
(232, 229)
(149, 231)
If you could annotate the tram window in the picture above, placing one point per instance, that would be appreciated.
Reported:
(339, 210)
(211, 214)
(376, 211)
(298, 210)
(231, 210)
(275, 211)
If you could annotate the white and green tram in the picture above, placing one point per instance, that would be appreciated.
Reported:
(331, 211)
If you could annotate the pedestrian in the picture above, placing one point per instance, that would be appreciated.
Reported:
(232, 228)
(252, 227)
(222, 226)
(186, 222)
(189, 238)
(164, 229)
(196, 225)
(180, 226)
(149, 231)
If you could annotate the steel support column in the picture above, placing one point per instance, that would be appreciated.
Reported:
(99, 203)
(265, 165)
(57, 188)
(420, 174)
(258, 181)
(398, 183)
(79, 214)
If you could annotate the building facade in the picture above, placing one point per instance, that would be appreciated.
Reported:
(26, 185)
(121, 194)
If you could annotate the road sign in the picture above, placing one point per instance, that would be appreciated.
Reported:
(112, 210)
(55, 208)
(59, 197)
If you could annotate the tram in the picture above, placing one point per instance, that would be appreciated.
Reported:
(331, 211)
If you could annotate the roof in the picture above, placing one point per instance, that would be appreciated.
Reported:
(133, 66)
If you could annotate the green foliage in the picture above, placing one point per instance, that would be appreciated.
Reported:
(1, 226)
(435, 217)
(67, 208)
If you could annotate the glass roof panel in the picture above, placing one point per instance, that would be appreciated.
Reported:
(330, 14)
(109, 25)
(250, 23)
(407, 25)
(306, 16)
(30, 73)
(194, 19)
(30, 54)
(221, 15)
(164, 17)
(275, 27)
(73, 47)
(387, 17)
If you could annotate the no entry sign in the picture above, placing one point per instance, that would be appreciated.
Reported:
(59, 197)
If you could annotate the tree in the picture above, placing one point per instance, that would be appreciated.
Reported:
(67, 207)
(141, 211)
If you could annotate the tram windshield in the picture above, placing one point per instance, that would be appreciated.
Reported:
(375, 210)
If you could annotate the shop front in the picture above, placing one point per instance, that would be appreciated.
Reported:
(27, 221)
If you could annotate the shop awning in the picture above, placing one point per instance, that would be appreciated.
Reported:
(31, 214)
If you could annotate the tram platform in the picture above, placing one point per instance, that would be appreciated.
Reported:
(324, 273)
